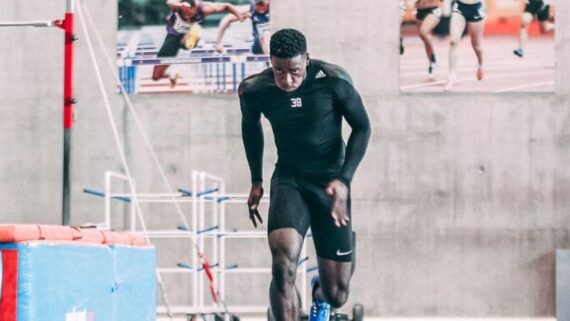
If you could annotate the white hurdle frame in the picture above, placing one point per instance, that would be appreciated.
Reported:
(206, 189)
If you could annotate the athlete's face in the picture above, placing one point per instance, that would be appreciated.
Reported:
(262, 7)
(188, 11)
(289, 73)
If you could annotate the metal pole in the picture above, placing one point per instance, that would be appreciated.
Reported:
(68, 102)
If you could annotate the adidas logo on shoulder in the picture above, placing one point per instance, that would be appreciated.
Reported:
(320, 74)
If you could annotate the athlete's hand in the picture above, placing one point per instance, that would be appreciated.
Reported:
(339, 210)
(219, 48)
(243, 16)
(255, 195)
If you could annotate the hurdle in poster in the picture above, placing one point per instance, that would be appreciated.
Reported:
(206, 72)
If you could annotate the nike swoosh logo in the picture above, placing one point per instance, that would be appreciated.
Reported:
(339, 253)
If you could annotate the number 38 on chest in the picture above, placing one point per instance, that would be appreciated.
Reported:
(296, 102)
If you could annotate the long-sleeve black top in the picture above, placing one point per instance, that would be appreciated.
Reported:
(307, 123)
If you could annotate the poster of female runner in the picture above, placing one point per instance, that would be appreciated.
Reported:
(477, 46)
(191, 46)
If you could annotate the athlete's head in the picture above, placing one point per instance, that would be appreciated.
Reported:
(188, 8)
(192, 3)
(289, 58)
(261, 6)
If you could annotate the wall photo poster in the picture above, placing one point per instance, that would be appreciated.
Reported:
(493, 46)
(191, 46)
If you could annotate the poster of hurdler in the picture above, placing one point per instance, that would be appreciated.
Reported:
(494, 46)
(191, 46)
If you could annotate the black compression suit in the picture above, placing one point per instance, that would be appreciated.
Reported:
(307, 125)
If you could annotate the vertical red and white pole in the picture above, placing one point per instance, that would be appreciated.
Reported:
(68, 101)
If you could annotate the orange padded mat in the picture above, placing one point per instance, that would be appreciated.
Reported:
(31, 232)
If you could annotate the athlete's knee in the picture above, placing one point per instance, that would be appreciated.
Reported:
(158, 73)
(337, 294)
(424, 33)
(453, 42)
(476, 47)
(191, 38)
(283, 271)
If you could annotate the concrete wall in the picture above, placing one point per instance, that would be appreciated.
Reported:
(459, 204)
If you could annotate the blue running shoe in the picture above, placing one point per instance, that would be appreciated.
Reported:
(519, 52)
(320, 310)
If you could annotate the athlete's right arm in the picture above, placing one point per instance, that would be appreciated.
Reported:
(220, 7)
(224, 24)
(252, 135)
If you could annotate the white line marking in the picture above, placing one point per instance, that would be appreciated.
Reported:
(540, 84)
(473, 79)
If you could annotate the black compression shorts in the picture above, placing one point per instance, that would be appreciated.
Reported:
(298, 202)
(539, 10)
(421, 14)
(471, 12)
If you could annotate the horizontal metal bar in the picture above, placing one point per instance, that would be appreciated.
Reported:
(231, 269)
(28, 24)
(146, 50)
(148, 195)
(197, 60)
(187, 192)
(207, 192)
(188, 234)
(208, 229)
(101, 194)
(237, 270)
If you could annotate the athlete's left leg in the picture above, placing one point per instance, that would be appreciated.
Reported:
(334, 281)
(335, 252)
(331, 285)
(476, 32)
(526, 20)
(192, 37)
(546, 26)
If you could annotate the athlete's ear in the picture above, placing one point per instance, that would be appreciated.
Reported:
(308, 57)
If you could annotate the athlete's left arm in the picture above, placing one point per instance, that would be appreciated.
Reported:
(352, 109)
(221, 7)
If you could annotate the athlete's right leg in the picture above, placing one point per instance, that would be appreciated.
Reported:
(288, 223)
(523, 33)
(285, 245)
(456, 28)
(159, 72)
(169, 48)
(426, 28)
